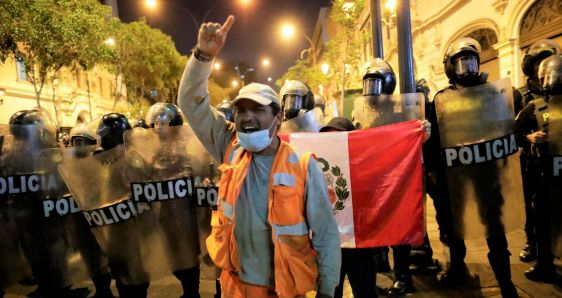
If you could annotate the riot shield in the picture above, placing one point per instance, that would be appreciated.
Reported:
(29, 179)
(175, 169)
(57, 204)
(373, 111)
(13, 266)
(555, 148)
(311, 121)
(476, 127)
(100, 186)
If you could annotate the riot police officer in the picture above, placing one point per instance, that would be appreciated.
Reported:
(96, 262)
(379, 79)
(122, 262)
(296, 97)
(534, 55)
(462, 67)
(532, 128)
(421, 256)
(226, 108)
(185, 250)
(40, 238)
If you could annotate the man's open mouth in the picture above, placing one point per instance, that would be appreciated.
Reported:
(250, 129)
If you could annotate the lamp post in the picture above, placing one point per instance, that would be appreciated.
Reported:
(405, 51)
(376, 28)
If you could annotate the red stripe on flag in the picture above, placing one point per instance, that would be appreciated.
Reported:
(386, 180)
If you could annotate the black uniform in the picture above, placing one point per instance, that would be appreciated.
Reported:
(490, 213)
(530, 174)
(529, 121)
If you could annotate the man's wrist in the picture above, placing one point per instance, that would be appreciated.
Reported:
(202, 56)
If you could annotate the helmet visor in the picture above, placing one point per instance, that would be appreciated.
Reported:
(159, 117)
(293, 102)
(372, 86)
(553, 83)
(465, 65)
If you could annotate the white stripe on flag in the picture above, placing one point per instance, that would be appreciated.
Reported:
(332, 146)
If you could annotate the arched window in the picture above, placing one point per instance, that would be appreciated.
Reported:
(542, 20)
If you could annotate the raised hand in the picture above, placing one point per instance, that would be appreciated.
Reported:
(212, 36)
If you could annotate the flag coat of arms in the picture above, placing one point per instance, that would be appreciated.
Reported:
(374, 179)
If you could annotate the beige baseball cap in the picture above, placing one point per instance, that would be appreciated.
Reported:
(260, 93)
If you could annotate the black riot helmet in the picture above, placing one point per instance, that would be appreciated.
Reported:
(423, 87)
(295, 96)
(319, 102)
(33, 126)
(462, 61)
(82, 135)
(17, 117)
(378, 78)
(536, 53)
(164, 114)
(226, 108)
(111, 129)
(141, 123)
(550, 75)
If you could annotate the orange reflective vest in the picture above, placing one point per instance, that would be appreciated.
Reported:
(295, 262)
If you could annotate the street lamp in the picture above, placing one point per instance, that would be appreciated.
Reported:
(347, 6)
(288, 31)
(110, 41)
(217, 65)
(265, 62)
(234, 83)
(151, 3)
(269, 79)
(325, 67)
(389, 14)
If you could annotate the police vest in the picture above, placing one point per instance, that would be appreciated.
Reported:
(296, 268)
(541, 113)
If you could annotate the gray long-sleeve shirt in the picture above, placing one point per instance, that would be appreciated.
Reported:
(252, 230)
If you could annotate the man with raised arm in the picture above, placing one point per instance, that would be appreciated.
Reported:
(274, 233)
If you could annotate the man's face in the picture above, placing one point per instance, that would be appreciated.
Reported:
(250, 116)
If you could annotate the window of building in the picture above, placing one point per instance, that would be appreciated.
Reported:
(21, 70)
(101, 86)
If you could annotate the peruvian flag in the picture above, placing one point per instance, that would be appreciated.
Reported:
(374, 179)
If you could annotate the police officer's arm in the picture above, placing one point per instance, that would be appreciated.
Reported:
(325, 235)
(211, 127)
(526, 127)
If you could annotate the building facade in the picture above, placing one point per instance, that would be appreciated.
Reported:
(505, 29)
(66, 99)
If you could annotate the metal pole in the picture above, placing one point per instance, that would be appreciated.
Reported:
(376, 28)
(405, 51)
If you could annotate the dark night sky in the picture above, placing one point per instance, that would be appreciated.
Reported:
(254, 35)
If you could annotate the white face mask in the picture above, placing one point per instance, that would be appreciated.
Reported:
(258, 140)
